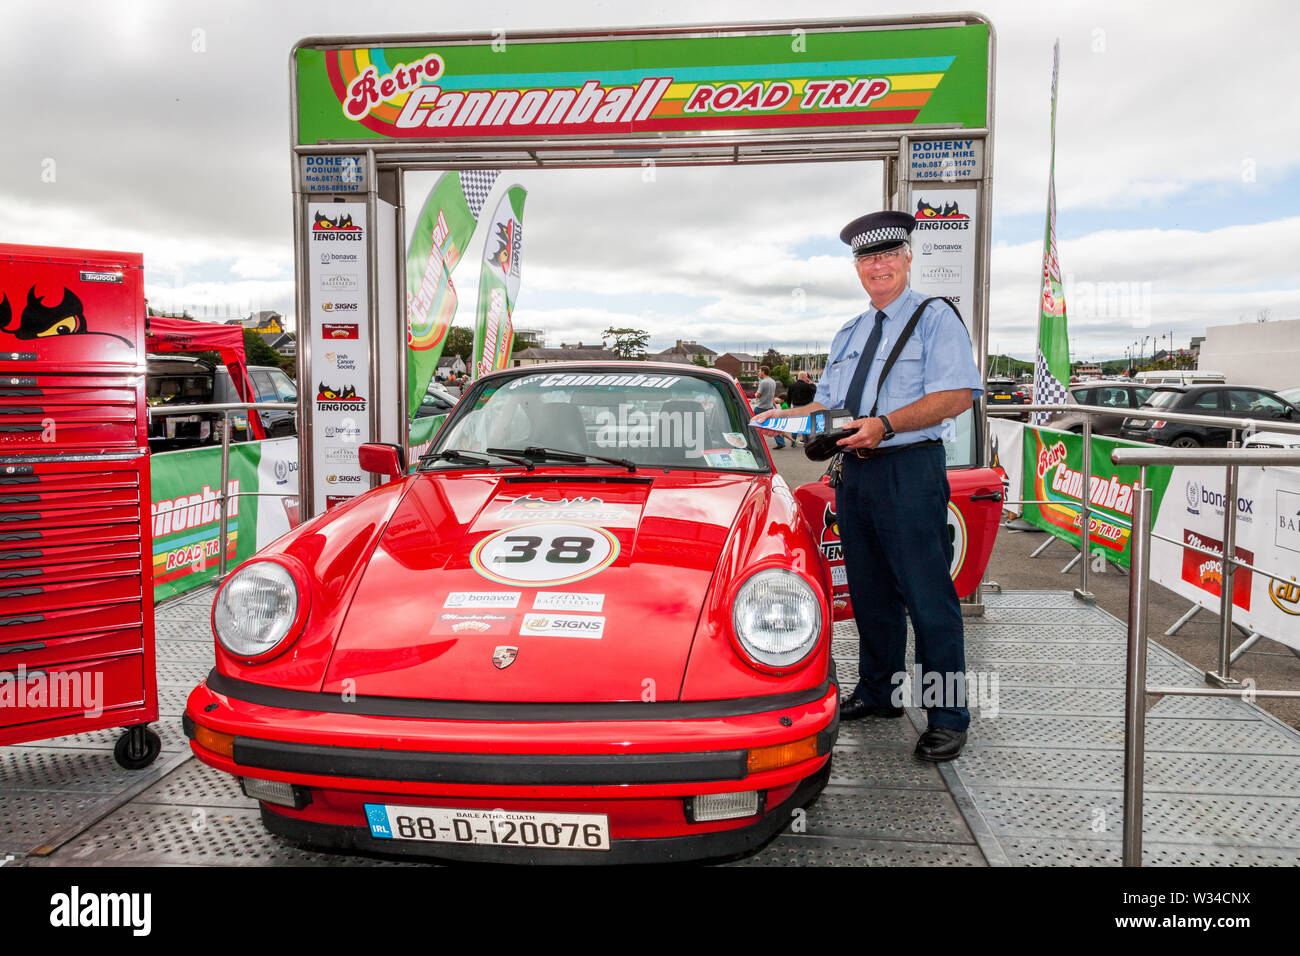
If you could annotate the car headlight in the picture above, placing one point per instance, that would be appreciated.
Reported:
(256, 609)
(777, 617)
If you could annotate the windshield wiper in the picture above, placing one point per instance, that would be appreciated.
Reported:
(457, 454)
(538, 453)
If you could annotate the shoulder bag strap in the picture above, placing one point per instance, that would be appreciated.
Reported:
(902, 341)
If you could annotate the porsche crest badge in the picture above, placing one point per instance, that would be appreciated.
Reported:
(504, 656)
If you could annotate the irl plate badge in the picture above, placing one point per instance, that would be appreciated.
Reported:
(504, 656)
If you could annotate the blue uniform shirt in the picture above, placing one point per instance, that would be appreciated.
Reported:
(937, 358)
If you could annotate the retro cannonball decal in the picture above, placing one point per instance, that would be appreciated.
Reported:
(544, 553)
(957, 532)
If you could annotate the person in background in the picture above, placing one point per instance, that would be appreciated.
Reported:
(765, 399)
(802, 391)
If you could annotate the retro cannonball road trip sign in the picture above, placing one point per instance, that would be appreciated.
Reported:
(533, 88)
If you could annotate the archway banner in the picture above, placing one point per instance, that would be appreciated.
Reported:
(778, 77)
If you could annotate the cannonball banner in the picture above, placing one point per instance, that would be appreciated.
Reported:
(1052, 472)
(532, 86)
(499, 284)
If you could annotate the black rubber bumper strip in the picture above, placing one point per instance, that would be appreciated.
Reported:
(368, 763)
(718, 845)
(508, 711)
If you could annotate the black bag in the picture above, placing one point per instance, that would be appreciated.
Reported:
(827, 444)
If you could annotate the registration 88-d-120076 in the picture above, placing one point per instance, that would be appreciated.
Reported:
(523, 828)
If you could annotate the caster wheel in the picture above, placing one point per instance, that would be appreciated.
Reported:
(137, 748)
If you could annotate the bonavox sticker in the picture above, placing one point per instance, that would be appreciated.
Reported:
(544, 553)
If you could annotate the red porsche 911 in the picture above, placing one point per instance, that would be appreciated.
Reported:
(590, 626)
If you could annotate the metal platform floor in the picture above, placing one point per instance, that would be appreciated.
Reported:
(1039, 783)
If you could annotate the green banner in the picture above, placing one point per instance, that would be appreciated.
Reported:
(499, 285)
(442, 232)
(186, 523)
(791, 77)
(1052, 364)
(1053, 462)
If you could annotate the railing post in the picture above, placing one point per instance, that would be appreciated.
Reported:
(1223, 676)
(225, 489)
(1136, 676)
(1085, 515)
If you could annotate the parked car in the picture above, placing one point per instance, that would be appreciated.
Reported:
(1005, 391)
(270, 384)
(1180, 377)
(1121, 396)
(171, 382)
(438, 400)
(563, 641)
(1234, 401)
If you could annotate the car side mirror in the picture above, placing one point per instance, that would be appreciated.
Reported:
(380, 458)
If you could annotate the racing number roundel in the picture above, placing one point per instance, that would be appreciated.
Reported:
(957, 532)
(544, 554)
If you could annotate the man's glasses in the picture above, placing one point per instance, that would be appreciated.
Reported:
(888, 256)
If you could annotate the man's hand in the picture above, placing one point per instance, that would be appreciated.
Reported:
(764, 416)
(869, 433)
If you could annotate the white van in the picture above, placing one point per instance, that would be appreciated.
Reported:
(1180, 377)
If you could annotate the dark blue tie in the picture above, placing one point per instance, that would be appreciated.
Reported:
(853, 399)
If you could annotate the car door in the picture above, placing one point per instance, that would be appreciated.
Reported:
(1212, 401)
(1110, 396)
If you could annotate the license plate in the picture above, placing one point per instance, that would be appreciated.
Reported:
(520, 828)
(1000, 395)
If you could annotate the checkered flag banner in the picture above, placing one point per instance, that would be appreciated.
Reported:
(1048, 389)
(477, 186)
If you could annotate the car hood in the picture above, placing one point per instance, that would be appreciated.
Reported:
(571, 587)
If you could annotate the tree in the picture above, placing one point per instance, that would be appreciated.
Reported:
(699, 359)
(772, 358)
(628, 343)
(257, 352)
(460, 341)
(782, 374)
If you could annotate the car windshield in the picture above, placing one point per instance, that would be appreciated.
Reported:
(647, 417)
(1291, 395)
(1163, 399)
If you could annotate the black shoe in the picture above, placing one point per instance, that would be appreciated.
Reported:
(938, 744)
(855, 708)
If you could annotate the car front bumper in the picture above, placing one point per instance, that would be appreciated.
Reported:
(640, 771)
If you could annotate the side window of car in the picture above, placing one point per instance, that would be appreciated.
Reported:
(262, 386)
(1207, 400)
(1255, 404)
(1140, 395)
(285, 390)
(1084, 396)
(1112, 397)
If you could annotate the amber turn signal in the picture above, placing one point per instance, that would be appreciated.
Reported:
(209, 739)
(782, 755)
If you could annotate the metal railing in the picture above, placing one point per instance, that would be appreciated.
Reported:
(223, 495)
(1135, 687)
(1082, 592)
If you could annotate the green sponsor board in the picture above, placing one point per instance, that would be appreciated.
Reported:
(186, 521)
(904, 76)
(1053, 463)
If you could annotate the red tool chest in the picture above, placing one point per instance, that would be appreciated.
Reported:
(76, 590)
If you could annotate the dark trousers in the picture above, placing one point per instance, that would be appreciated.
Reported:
(893, 520)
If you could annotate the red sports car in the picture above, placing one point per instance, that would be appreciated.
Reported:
(592, 626)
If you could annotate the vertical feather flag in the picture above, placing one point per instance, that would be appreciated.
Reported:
(499, 284)
(1052, 361)
(442, 233)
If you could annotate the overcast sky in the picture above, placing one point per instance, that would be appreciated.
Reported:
(164, 128)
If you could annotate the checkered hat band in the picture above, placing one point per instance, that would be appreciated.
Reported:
(873, 236)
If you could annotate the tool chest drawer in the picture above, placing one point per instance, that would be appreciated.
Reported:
(59, 622)
(40, 594)
(73, 647)
(90, 688)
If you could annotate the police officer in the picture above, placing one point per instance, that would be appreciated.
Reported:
(892, 504)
